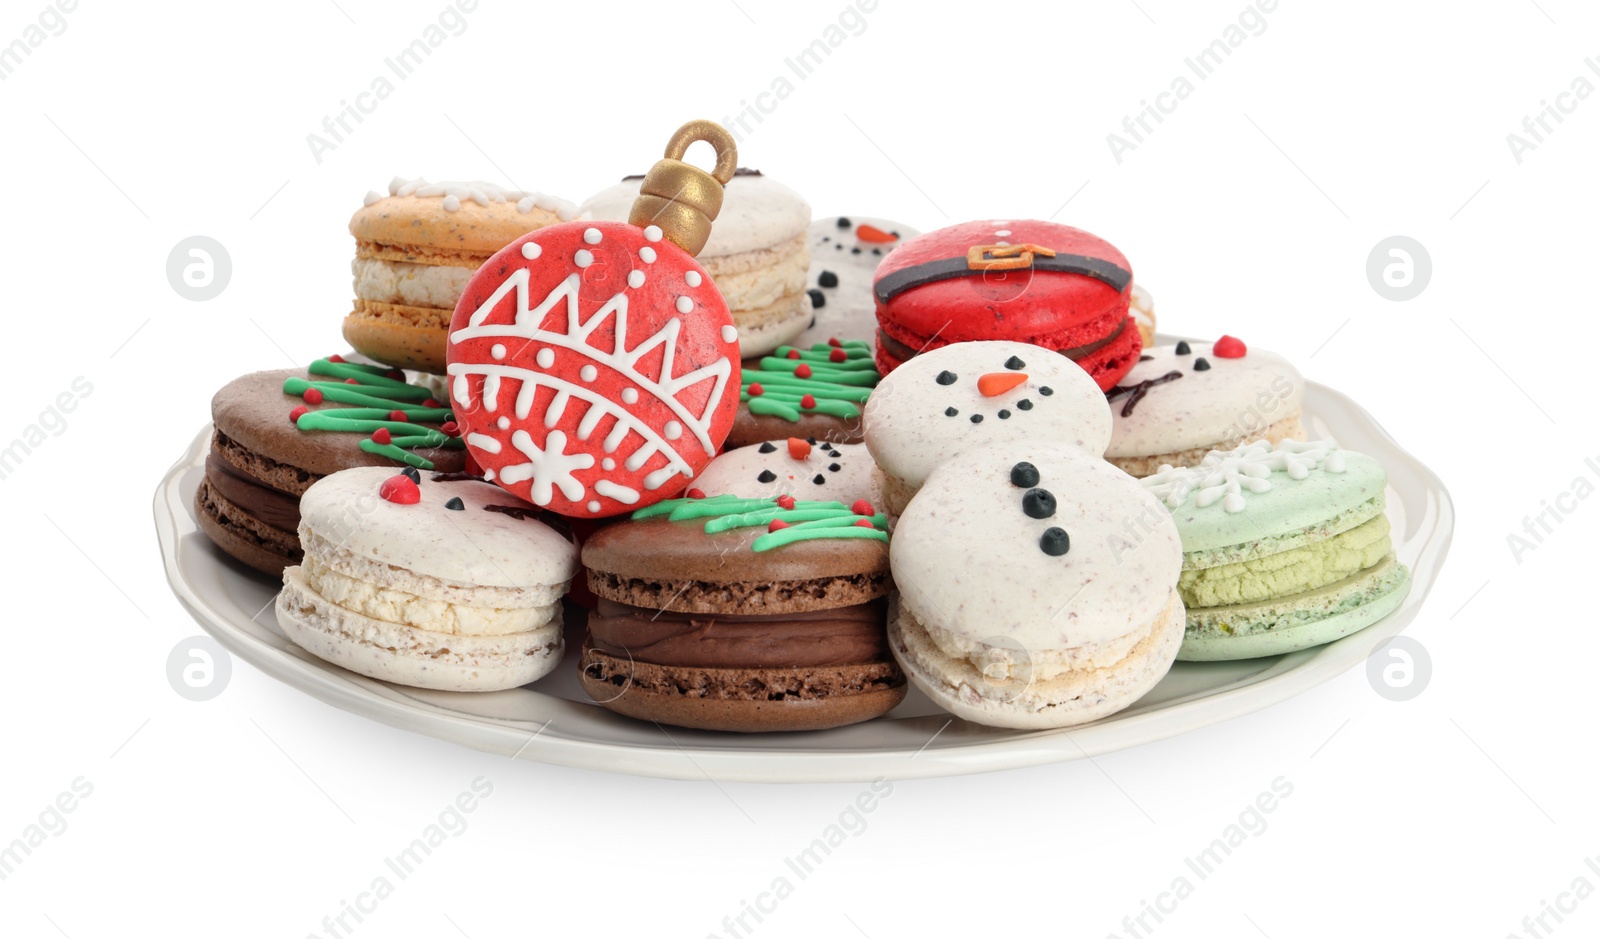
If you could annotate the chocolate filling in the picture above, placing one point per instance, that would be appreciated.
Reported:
(280, 510)
(844, 636)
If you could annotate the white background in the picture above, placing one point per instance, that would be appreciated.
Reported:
(1250, 210)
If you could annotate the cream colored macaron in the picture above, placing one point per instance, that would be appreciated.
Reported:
(415, 249)
(757, 254)
(433, 581)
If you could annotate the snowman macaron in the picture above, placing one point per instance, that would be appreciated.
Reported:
(803, 468)
(845, 251)
(946, 401)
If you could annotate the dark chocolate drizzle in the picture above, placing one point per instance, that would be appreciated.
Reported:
(1136, 392)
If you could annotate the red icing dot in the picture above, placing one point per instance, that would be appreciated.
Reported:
(295, 414)
(398, 415)
(834, 341)
(799, 449)
(450, 429)
(351, 381)
(430, 403)
(695, 494)
(793, 354)
(1228, 348)
(311, 396)
(865, 523)
(381, 435)
(396, 374)
(400, 490)
(756, 390)
(336, 357)
(786, 501)
(808, 402)
(861, 507)
(776, 524)
(837, 355)
(802, 371)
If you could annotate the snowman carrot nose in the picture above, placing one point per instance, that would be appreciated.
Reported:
(998, 383)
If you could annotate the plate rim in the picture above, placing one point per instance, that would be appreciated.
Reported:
(527, 740)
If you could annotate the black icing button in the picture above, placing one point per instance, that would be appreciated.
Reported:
(1046, 390)
(951, 412)
(1024, 475)
(1024, 405)
(855, 250)
(455, 504)
(1054, 542)
(977, 418)
(411, 473)
(817, 299)
(945, 377)
(819, 479)
(1039, 503)
(1003, 414)
(766, 476)
(1201, 365)
(1181, 349)
(827, 279)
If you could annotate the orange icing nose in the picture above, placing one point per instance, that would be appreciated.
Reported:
(799, 449)
(998, 383)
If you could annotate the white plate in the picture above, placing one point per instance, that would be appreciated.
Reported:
(554, 722)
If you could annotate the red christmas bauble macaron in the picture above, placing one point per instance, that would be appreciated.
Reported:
(1024, 281)
(594, 368)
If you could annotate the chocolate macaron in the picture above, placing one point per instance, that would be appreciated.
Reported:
(725, 613)
(277, 432)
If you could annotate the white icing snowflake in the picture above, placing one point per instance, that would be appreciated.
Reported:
(1226, 475)
(550, 468)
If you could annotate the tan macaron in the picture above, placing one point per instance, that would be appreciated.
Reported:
(415, 250)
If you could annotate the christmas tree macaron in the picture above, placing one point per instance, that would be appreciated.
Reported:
(1285, 546)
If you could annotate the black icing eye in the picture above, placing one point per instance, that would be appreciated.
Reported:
(819, 479)
(1015, 363)
(817, 299)
(1046, 390)
(1038, 503)
(455, 504)
(827, 279)
(951, 412)
(1003, 414)
(843, 222)
(768, 447)
(977, 418)
(766, 476)
(834, 453)
(1181, 349)
(1201, 365)
(1024, 475)
(411, 473)
(1146, 358)
(1024, 405)
(1054, 542)
(812, 441)
(945, 377)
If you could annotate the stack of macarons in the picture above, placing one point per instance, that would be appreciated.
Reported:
(416, 246)
(1285, 546)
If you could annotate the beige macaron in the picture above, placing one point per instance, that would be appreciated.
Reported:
(415, 249)
(757, 255)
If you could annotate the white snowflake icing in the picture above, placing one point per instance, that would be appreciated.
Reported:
(550, 468)
(1226, 475)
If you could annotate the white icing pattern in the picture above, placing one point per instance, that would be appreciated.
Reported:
(1226, 475)
(455, 192)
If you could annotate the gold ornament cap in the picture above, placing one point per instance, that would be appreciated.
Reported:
(683, 199)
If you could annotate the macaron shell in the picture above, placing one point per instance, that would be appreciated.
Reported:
(1232, 401)
(472, 545)
(1298, 622)
(967, 558)
(758, 212)
(739, 472)
(909, 431)
(422, 223)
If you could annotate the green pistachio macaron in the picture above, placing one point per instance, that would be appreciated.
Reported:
(1285, 547)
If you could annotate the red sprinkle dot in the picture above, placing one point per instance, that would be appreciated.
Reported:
(776, 524)
(793, 354)
(802, 371)
(756, 390)
(351, 381)
(1228, 348)
(834, 341)
(430, 403)
(398, 415)
(861, 507)
(336, 357)
(865, 523)
(311, 396)
(395, 373)
(295, 414)
(799, 449)
(786, 501)
(807, 401)
(696, 494)
(837, 355)
(381, 435)
(450, 429)
(400, 490)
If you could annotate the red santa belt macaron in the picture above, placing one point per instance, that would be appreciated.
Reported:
(1051, 285)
